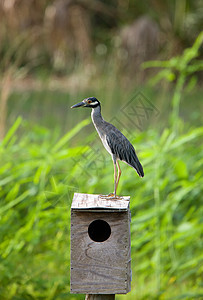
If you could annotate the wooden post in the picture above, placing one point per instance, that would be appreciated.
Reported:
(100, 297)
(100, 246)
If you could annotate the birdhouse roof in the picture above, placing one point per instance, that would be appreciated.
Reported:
(99, 202)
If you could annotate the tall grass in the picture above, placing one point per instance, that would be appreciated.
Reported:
(181, 69)
(39, 174)
(40, 171)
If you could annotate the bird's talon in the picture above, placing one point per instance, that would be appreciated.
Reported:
(110, 196)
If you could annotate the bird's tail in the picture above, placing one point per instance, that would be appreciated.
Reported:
(139, 169)
(137, 166)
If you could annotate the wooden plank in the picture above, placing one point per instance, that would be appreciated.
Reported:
(100, 267)
(129, 272)
(100, 297)
(89, 201)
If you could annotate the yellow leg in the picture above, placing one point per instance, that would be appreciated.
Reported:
(115, 179)
(119, 174)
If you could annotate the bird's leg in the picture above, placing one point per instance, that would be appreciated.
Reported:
(119, 174)
(115, 179)
(112, 195)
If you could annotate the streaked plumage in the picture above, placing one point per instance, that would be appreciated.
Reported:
(113, 140)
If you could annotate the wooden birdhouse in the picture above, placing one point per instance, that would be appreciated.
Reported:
(100, 245)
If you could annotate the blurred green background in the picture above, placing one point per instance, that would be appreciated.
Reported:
(143, 61)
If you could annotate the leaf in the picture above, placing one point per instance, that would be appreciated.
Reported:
(187, 138)
(69, 135)
(181, 168)
(14, 202)
(11, 131)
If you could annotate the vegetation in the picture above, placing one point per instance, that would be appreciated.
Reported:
(39, 173)
(38, 177)
(47, 154)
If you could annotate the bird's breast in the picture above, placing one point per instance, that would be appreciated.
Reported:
(99, 125)
(102, 136)
(104, 141)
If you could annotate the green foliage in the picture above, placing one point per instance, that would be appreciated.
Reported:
(39, 172)
(179, 69)
(34, 230)
(38, 175)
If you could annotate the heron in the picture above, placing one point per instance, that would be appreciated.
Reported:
(113, 140)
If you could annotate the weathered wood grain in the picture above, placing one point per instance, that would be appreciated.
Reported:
(100, 297)
(88, 202)
(100, 267)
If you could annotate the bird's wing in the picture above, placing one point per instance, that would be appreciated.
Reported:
(123, 149)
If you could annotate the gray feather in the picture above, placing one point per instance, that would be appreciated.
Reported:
(122, 148)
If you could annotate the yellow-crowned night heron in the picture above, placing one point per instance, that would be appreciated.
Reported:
(113, 140)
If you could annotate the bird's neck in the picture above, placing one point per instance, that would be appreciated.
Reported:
(96, 115)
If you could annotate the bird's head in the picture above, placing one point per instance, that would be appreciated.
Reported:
(91, 102)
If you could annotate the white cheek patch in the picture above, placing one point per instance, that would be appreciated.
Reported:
(94, 103)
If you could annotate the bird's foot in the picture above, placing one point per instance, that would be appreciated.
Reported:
(110, 196)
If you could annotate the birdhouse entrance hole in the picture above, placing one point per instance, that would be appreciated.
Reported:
(99, 231)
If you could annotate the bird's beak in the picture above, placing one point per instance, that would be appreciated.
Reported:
(78, 105)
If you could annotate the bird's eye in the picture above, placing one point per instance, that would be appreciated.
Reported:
(89, 101)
